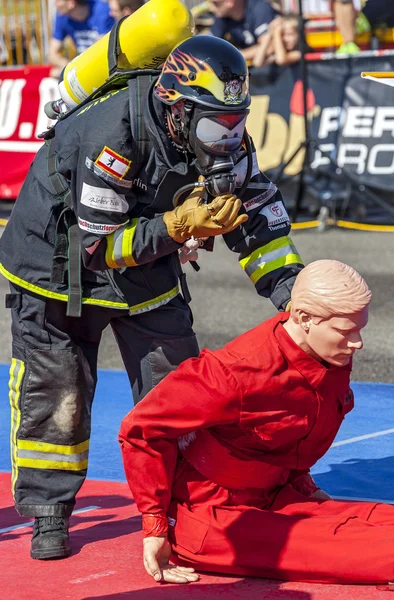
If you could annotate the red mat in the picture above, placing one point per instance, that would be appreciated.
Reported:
(106, 561)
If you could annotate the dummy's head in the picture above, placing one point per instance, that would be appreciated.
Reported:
(204, 86)
(329, 308)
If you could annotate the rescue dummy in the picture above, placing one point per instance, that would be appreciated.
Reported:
(228, 439)
(120, 185)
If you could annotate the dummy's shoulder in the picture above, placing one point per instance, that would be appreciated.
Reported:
(256, 347)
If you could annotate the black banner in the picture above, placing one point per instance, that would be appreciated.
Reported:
(351, 126)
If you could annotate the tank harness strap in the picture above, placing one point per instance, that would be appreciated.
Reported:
(67, 250)
(182, 278)
(114, 48)
(138, 90)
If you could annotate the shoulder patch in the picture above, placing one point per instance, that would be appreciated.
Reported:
(113, 163)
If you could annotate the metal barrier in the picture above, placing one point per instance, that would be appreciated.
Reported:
(24, 32)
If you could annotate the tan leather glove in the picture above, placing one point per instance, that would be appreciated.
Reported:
(194, 218)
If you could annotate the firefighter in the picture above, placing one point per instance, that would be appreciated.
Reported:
(229, 489)
(94, 240)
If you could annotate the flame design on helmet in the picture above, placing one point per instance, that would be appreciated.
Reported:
(193, 72)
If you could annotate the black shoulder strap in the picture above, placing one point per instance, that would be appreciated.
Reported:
(138, 90)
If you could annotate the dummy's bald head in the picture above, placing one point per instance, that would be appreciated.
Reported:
(325, 288)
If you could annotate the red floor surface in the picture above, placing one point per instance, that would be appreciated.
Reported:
(106, 561)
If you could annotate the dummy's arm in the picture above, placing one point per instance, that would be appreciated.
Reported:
(201, 393)
(303, 482)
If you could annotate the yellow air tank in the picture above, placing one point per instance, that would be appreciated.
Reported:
(146, 38)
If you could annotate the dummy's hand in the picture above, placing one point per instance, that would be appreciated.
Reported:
(195, 219)
(189, 250)
(321, 495)
(157, 551)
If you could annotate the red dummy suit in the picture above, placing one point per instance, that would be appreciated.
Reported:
(222, 450)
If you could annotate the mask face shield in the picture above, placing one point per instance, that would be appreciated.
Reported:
(215, 137)
(218, 133)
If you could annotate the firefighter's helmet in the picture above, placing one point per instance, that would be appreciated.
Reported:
(205, 70)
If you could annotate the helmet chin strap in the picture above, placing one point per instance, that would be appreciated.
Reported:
(180, 124)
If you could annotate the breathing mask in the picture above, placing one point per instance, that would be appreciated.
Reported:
(214, 137)
(210, 76)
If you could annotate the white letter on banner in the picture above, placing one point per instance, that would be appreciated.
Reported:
(10, 105)
(49, 91)
(384, 121)
(359, 159)
(329, 121)
(319, 159)
(359, 121)
(372, 168)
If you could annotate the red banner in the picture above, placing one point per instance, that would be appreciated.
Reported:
(24, 91)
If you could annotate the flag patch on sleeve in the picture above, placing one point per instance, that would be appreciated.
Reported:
(113, 163)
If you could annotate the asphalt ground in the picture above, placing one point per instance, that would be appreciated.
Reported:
(225, 303)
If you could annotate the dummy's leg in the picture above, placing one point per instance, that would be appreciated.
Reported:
(326, 542)
(154, 343)
(52, 382)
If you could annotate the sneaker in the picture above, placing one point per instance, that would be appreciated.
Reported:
(50, 538)
(349, 48)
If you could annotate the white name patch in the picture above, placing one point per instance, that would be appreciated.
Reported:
(103, 199)
(275, 214)
(99, 228)
(261, 198)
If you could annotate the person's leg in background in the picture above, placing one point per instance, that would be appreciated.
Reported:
(345, 18)
(52, 381)
(154, 343)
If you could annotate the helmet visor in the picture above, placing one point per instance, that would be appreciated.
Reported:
(221, 133)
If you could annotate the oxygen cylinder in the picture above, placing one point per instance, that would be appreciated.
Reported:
(146, 38)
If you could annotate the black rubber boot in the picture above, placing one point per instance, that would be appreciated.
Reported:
(50, 538)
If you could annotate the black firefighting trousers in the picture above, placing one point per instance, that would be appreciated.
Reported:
(52, 382)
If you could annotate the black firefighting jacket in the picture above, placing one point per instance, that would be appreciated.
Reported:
(128, 259)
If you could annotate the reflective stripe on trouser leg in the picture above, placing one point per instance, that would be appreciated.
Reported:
(17, 371)
(52, 442)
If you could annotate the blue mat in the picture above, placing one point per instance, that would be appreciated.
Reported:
(359, 465)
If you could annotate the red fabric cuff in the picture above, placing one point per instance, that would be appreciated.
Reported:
(154, 525)
(305, 485)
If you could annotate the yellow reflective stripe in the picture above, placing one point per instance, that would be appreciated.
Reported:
(55, 295)
(127, 243)
(274, 245)
(120, 246)
(155, 302)
(109, 253)
(289, 259)
(53, 448)
(142, 307)
(14, 396)
(34, 463)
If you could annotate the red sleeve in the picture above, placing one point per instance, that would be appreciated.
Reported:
(201, 393)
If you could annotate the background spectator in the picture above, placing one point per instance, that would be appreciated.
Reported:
(281, 43)
(123, 8)
(243, 23)
(84, 21)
